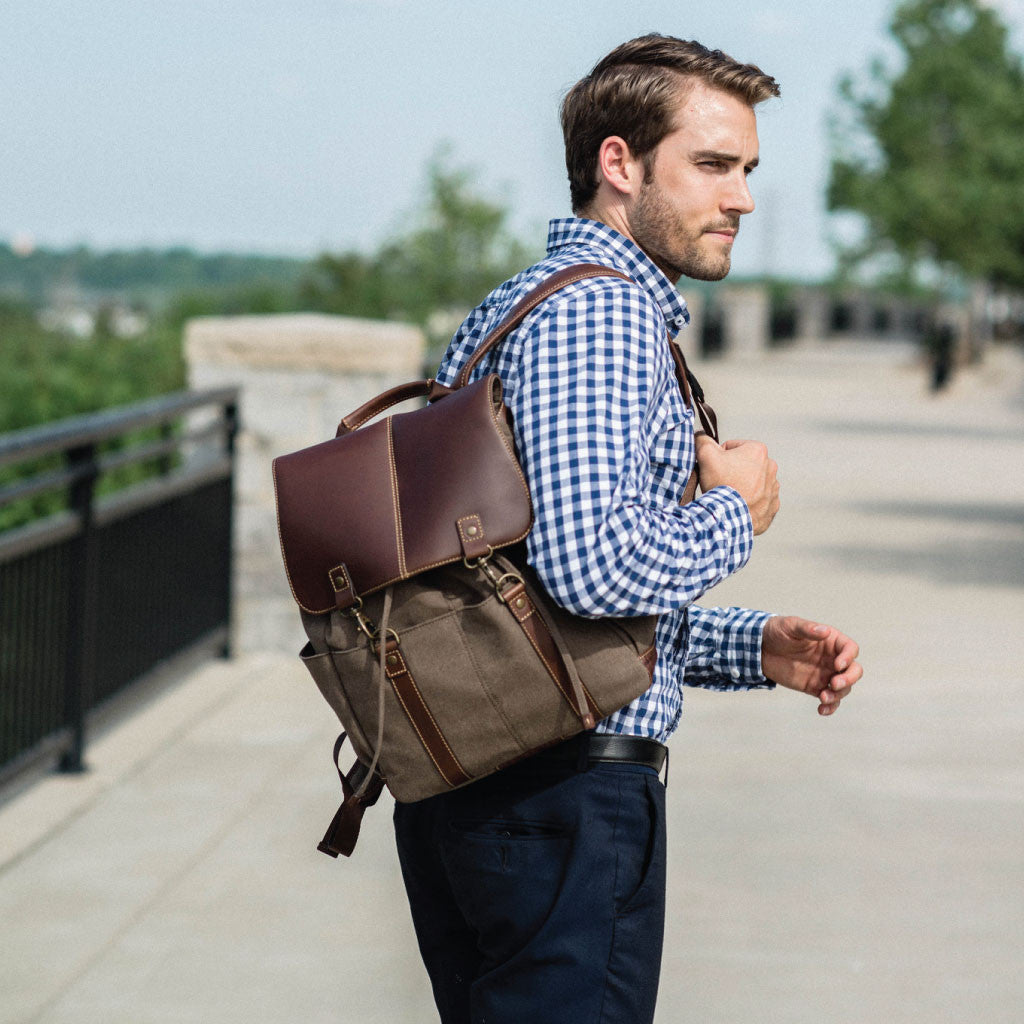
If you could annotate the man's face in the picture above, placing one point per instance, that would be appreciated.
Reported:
(687, 212)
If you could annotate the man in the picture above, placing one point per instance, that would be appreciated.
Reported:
(538, 894)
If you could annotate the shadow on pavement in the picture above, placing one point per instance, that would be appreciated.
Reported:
(992, 563)
(952, 429)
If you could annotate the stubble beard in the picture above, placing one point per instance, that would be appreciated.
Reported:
(659, 230)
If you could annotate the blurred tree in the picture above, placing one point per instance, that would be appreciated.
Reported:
(933, 155)
(457, 249)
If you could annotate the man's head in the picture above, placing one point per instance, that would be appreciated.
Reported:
(639, 131)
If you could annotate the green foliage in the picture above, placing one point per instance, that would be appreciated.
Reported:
(933, 155)
(458, 248)
(49, 375)
(148, 275)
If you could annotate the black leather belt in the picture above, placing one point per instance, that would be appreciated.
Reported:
(590, 747)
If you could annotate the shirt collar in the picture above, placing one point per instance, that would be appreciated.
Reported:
(625, 255)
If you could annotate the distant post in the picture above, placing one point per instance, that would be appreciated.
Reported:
(746, 319)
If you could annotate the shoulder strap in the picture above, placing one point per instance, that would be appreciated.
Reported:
(691, 389)
(554, 283)
(693, 393)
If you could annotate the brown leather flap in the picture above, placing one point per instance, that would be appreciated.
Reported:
(385, 501)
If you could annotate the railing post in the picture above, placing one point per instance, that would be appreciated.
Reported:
(81, 598)
(231, 428)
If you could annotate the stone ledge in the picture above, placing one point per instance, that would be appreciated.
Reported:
(305, 341)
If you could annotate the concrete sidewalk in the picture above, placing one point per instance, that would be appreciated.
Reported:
(861, 869)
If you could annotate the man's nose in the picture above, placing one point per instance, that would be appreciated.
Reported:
(738, 198)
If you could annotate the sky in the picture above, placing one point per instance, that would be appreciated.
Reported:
(295, 128)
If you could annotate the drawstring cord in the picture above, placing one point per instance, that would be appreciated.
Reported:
(381, 641)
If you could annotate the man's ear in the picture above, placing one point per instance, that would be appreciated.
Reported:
(617, 166)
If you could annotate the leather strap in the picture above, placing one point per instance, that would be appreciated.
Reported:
(428, 389)
(650, 660)
(409, 696)
(557, 281)
(693, 392)
(343, 831)
(537, 631)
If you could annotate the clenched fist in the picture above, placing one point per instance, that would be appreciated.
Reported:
(745, 467)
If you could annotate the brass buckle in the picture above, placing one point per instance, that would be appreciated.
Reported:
(496, 579)
(500, 582)
(391, 635)
(479, 563)
(365, 625)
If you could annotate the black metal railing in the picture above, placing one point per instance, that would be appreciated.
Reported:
(115, 554)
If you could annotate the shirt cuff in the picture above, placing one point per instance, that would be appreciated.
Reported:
(734, 530)
(724, 650)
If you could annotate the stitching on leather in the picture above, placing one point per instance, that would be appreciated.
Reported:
(529, 611)
(590, 697)
(287, 570)
(412, 682)
(433, 722)
(479, 525)
(551, 672)
(515, 462)
(547, 664)
(280, 540)
(344, 573)
(412, 721)
(399, 544)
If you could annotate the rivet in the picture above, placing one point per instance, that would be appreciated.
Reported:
(472, 531)
(392, 659)
(340, 582)
(520, 602)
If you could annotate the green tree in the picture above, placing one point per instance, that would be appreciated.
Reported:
(932, 154)
(458, 248)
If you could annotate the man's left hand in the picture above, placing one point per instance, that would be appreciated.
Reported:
(810, 657)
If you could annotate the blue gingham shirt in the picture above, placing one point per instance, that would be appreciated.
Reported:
(607, 444)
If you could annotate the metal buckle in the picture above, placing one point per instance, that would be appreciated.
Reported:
(391, 635)
(478, 563)
(500, 581)
(496, 579)
(365, 625)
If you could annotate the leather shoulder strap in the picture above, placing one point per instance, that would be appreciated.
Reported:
(554, 283)
(693, 393)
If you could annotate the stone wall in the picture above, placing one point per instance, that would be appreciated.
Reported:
(298, 375)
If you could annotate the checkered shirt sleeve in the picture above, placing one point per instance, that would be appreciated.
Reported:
(599, 416)
(725, 648)
(607, 444)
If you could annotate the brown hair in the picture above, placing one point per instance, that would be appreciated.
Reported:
(634, 92)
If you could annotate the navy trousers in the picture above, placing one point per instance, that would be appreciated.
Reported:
(538, 894)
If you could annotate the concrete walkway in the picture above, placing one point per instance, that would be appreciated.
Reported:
(862, 869)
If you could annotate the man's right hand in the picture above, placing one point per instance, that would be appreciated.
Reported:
(745, 467)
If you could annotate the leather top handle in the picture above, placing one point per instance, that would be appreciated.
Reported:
(428, 389)
(557, 281)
